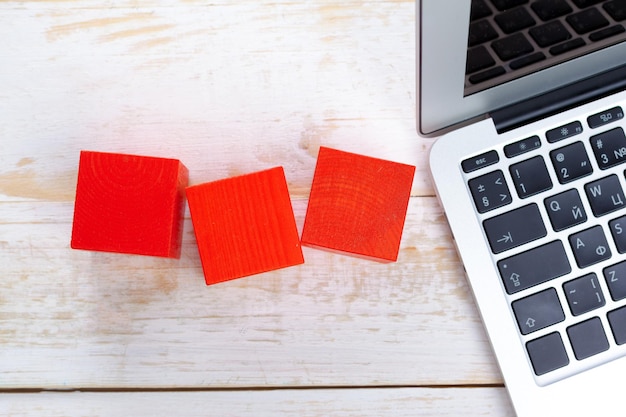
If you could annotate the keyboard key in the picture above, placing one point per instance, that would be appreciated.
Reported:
(617, 321)
(607, 116)
(481, 77)
(481, 32)
(514, 228)
(522, 146)
(547, 353)
(550, 34)
(507, 4)
(587, 338)
(606, 33)
(585, 3)
(564, 132)
(490, 191)
(590, 246)
(512, 47)
(567, 46)
(480, 161)
(530, 177)
(534, 266)
(571, 162)
(550, 9)
(583, 294)
(617, 9)
(478, 59)
(615, 277)
(479, 10)
(609, 148)
(565, 210)
(527, 60)
(514, 20)
(538, 311)
(617, 227)
(587, 21)
(605, 195)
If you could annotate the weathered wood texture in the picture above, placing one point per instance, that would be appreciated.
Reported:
(227, 87)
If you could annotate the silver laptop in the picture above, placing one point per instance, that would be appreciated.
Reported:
(528, 100)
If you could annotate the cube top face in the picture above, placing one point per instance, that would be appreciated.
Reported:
(244, 225)
(357, 205)
(129, 204)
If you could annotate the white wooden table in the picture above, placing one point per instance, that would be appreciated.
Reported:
(228, 87)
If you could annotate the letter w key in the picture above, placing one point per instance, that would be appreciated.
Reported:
(605, 195)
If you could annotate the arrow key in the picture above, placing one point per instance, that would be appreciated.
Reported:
(538, 311)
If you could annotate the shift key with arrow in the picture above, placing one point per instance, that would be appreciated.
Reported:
(514, 228)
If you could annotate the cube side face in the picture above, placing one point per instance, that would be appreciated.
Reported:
(128, 204)
(244, 225)
(357, 204)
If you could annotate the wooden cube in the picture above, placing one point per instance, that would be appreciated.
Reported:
(357, 205)
(129, 204)
(244, 225)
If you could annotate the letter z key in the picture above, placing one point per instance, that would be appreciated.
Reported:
(514, 228)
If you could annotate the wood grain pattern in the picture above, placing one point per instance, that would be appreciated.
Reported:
(357, 204)
(244, 225)
(129, 204)
(228, 87)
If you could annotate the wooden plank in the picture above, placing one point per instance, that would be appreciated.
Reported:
(76, 319)
(398, 402)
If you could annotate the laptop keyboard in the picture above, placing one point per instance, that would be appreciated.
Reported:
(553, 211)
(508, 38)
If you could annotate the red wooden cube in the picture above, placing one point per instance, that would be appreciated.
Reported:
(357, 204)
(244, 225)
(129, 204)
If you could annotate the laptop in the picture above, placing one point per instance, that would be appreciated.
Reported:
(527, 100)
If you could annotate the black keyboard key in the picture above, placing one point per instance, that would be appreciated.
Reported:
(550, 34)
(617, 321)
(478, 59)
(583, 294)
(606, 33)
(483, 76)
(530, 177)
(547, 353)
(609, 148)
(565, 210)
(538, 311)
(514, 228)
(480, 161)
(587, 21)
(490, 191)
(615, 277)
(586, 3)
(534, 266)
(514, 20)
(605, 117)
(479, 10)
(605, 195)
(567, 46)
(590, 246)
(571, 162)
(511, 47)
(527, 60)
(550, 9)
(481, 32)
(507, 4)
(587, 338)
(564, 132)
(522, 146)
(618, 227)
(616, 9)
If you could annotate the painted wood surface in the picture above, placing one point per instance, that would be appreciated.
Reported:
(227, 87)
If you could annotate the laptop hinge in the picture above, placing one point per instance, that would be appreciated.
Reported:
(561, 99)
